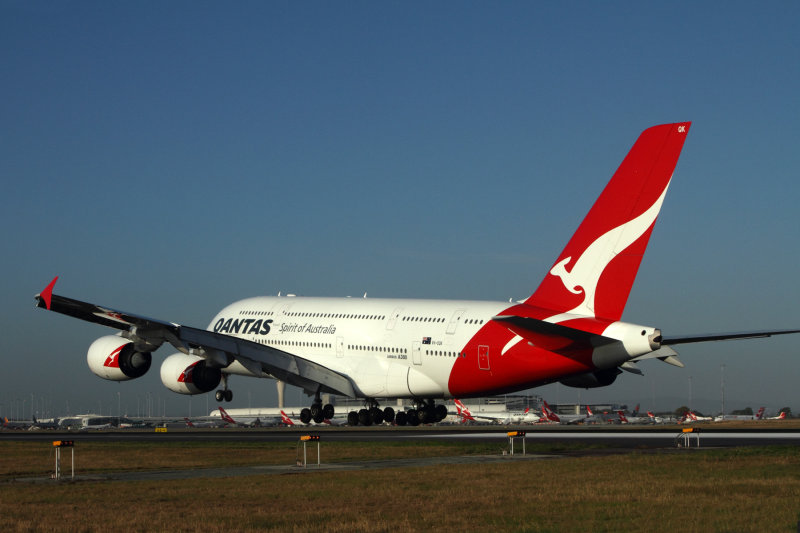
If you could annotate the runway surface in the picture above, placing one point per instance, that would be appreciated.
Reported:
(625, 437)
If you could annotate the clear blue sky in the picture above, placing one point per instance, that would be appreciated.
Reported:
(169, 158)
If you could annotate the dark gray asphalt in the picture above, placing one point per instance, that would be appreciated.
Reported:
(618, 437)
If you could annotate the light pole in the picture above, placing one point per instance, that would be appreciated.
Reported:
(722, 387)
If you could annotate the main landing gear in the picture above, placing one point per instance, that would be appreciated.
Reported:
(424, 413)
(317, 412)
(225, 394)
(370, 414)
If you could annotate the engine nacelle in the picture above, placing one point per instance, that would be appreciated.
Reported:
(590, 380)
(114, 358)
(189, 374)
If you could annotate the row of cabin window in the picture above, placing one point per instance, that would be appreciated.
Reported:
(315, 315)
(297, 343)
(384, 349)
(442, 353)
(358, 317)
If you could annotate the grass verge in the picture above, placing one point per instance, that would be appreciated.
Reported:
(750, 489)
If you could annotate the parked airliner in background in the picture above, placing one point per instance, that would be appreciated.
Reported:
(245, 421)
(567, 331)
(689, 417)
(548, 415)
(501, 416)
(654, 419)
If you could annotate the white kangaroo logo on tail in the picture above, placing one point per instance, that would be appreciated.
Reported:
(585, 275)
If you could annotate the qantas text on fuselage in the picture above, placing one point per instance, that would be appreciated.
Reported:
(568, 330)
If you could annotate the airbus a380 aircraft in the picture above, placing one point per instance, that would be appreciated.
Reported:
(568, 330)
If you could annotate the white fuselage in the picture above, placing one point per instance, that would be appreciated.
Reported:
(389, 347)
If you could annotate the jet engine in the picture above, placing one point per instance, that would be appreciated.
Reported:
(115, 358)
(590, 380)
(189, 374)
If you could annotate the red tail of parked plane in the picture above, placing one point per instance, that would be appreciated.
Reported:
(285, 420)
(549, 414)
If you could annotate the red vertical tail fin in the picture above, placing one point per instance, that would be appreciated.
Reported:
(595, 272)
(225, 416)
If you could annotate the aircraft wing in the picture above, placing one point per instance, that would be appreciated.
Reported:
(252, 355)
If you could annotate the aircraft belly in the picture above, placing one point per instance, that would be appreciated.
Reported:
(421, 385)
(397, 381)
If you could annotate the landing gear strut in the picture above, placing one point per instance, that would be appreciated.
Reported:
(225, 394)
(371, 414)
(317, 412)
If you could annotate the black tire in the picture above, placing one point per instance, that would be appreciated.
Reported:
(400, 418)
(412, 417)
(424, 415)
(328, 411)
(441, 412)
(318, 417)
(305, 415)
(388, 415)
(352, 418)
(220, 395)
(229, 395)
(363, 417)
(376, 416)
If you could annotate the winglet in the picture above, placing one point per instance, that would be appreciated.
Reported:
(47, 294)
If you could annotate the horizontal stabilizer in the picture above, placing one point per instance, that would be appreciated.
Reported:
(705, 337)
(665, 353)
(631, 367)
(553, 337)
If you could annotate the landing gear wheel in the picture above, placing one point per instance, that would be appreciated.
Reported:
(228, 395)
(220, 395)
(376, 416)
(400, 418)
(412, 417)
(363, 417)
(388, 415)
(316, 410)
(352, 418)
(441, 412)
(318, 417)
(305, 415)
(328, 411)
(424, 415)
